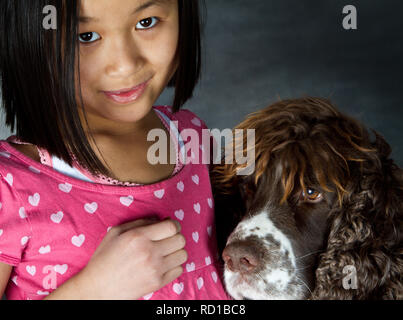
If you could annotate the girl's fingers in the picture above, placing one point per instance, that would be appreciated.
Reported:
(135, 224)
(170, 245)
(161, 230)
(174, 260)
(171, 275)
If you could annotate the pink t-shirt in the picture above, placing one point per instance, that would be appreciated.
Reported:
(51, 224)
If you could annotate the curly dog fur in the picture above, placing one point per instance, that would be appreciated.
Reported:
(307, 142)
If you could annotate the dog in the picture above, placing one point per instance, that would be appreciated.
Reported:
(321, 215)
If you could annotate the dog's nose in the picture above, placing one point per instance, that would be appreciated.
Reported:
(240, 257)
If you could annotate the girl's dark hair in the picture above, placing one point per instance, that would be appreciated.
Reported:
(37, 75)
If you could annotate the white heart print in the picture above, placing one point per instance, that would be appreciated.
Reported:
(34, 200)
(180, 214)
(196, 207)
(65, 187)
(56, 217)
(126, 201)
(91, 207)
(159, 193)
(60, 268)
(44, 249)
(190, 267)
(200, 283)
(22, 213)
(195, 236)
(148, 296)
(195, 179)
(214, 276)
(1, 232)
(78, 240)
(31, 270)
(180, 186)
(196, 122)
(178, 288)
(9, 178)
(24, 240)
(207, 260)
(210, 202)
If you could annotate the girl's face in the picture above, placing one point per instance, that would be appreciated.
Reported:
(125, 44)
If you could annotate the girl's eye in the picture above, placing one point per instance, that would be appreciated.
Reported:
(89, 37)
(311, 195)
(147, 23)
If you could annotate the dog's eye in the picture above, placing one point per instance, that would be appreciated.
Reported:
(311, 195)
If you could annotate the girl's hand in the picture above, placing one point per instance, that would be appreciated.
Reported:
(134, 259)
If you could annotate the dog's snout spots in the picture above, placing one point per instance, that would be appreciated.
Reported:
(257, 252)
(271, 239)
(262, 228)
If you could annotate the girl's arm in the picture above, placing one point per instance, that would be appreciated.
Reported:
(5, 271)
(75, 288)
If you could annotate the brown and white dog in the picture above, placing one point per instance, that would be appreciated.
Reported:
(321, 217)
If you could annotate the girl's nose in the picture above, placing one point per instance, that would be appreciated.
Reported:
(124, 59)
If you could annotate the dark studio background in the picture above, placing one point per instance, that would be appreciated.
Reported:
(257, 50)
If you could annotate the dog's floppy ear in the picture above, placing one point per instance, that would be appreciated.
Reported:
(363, 259)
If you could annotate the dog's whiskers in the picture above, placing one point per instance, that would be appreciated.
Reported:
(303, 282)
(296, 269)
(311, 253)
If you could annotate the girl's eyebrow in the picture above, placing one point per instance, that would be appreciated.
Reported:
(150, 3)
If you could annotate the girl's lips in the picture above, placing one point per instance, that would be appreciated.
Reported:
(127, 95)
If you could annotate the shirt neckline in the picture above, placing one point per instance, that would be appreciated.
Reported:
(104, 188)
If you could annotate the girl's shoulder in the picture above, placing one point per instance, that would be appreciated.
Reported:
(18, 160)
(13, 145)
(28, 150)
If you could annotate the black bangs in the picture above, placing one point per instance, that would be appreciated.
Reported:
(37, 74)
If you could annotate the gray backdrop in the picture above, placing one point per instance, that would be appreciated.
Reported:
(258, 50)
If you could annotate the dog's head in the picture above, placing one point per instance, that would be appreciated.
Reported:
(323, 199)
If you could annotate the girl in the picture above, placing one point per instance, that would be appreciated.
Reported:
(83, 213)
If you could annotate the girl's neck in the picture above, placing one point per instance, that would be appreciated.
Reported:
(99, 126)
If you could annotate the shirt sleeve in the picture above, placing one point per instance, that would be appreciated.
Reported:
(15, 230)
